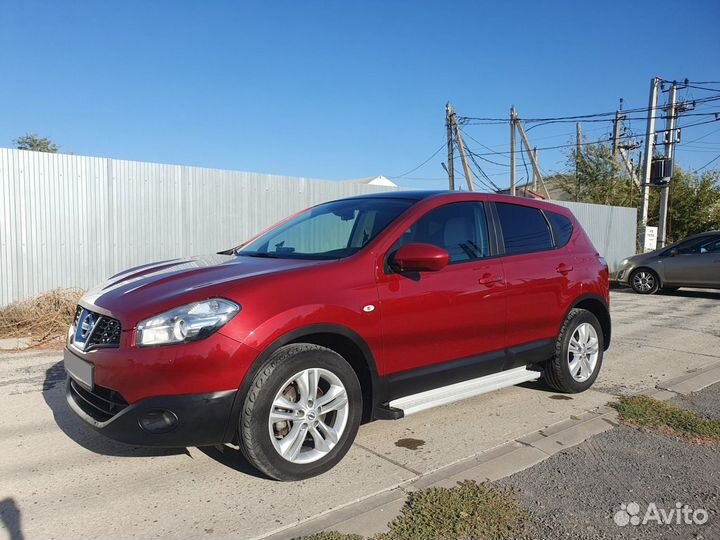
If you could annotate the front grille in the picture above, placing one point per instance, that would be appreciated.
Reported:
(105, 331)
(101, 403)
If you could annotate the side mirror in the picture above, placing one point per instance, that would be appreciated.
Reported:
(673, 252)
(419, 258)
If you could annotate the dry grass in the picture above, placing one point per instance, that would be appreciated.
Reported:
(644, 411)
(467, 511)
(43, 318)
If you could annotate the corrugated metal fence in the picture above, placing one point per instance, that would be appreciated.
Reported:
(72, 221)
(612, 229)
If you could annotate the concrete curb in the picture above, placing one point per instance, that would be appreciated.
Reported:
(371, 515)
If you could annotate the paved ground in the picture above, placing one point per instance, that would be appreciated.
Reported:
(576, 493)
(58, 479)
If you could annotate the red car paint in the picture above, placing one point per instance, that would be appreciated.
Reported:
(461, 311)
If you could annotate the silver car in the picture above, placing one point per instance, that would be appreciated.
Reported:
(692, 262)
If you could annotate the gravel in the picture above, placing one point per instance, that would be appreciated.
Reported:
(576, 493)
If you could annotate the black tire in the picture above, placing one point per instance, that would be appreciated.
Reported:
(556, 372)
(255, 438)
(651, 279)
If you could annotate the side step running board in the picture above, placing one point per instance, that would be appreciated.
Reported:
(463, 390)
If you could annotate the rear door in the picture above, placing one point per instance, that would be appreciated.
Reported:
(457, 313)
(538, 278)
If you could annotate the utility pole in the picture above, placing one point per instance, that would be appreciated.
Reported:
(536, 168)
(463, 157)
(450, 148)
(670, 122)
(513, 117)
(619, 116)
(648, 152)
(578, 157)
(535, 178)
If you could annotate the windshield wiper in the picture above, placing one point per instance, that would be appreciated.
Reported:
(260, 254)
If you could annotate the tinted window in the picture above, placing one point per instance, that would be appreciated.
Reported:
(713, 246)
(524, 229)
(561, 226)
(458, 228)
(696, 245)
(328, 231)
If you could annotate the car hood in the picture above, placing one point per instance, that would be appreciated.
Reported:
(163, 285)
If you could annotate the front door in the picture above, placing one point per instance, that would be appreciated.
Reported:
(694, 263)
(430, 319)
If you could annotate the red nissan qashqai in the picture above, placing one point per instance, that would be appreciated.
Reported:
(372, 307)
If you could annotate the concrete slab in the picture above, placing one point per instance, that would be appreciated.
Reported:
(15, 344)
(451, 433)
(500, 467)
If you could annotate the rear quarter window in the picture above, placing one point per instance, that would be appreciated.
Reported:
(524, 229)
(562, 228)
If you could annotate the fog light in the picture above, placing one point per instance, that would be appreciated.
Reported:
(158, 421)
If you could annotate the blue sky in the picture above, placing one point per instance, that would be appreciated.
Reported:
(339, 90)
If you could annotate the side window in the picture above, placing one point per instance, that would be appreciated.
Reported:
(562, 228)
(458, 228)
(524, 229)
(692, 246)
(713, 246)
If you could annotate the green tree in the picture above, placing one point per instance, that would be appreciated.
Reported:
(694, 204)
(599, 178)
(30, 141)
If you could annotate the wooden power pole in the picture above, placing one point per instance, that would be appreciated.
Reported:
(513, 117)
(463, 157)
(450, 146)
(536, 168)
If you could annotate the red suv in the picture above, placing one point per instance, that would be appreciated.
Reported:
(372, 307)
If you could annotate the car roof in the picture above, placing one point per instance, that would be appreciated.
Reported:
(413, 195)
(420, 195)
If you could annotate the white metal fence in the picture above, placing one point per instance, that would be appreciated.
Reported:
(72, 221)
(612, 229)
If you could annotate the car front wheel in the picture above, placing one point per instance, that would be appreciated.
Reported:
(644, 281)
(301, 413)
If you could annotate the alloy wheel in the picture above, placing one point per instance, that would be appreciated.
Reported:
(643, 281)
(308, 415)
(583, 352)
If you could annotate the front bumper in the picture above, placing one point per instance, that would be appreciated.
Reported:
(168, 421)
(623, 275)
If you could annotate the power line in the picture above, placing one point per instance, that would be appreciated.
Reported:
(713, 160)
(601, 141)
(423, 163)
(583, 117)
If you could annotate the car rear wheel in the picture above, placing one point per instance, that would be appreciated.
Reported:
(578, 354)
(301, 413)
(644, 281)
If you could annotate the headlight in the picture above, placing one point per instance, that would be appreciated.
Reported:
(624, 262)
(187, 323)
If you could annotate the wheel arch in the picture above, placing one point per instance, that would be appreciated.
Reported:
(340, 339)
(596, 305)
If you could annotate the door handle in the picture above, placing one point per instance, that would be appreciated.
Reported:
(563, 268)
(489, 279)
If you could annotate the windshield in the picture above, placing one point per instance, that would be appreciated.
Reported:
(329, 231)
